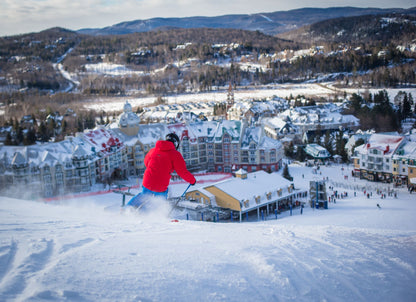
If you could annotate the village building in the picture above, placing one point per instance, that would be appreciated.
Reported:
(214, 146)
(279, 128)
(317, 152)
(253, 110)
(374, 160)
(48, 170)
(353, 139)
(311, 120)
(250, 193)
(116, 152)
(404, 164)
(176, 113)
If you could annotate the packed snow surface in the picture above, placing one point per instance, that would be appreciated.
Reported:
(75, 250)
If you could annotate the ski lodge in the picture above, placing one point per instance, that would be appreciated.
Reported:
(248, 193)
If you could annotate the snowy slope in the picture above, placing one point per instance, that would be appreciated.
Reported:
(76, 251)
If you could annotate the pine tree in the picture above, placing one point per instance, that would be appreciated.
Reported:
(406, 109)
(19, 136)
(300, 154)
(289, 150)
(328, 142)
(286, 173)
(9, 140)
(43, 132)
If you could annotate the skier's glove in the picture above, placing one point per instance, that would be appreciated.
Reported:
(193, 183)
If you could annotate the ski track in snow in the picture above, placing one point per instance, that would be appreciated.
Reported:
(82, 253)
(24, 264)
(281, 271)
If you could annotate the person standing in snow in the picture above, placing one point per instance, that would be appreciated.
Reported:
(160, 162)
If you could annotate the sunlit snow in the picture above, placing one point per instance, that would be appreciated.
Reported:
(74, 250)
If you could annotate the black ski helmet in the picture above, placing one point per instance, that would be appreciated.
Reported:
(172, 137)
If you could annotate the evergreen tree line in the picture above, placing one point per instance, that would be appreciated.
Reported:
(376, 111)
(333, 142)
(31, 131)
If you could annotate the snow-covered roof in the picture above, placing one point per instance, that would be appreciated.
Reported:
(269, 143)
(241, 171)
(256, 184)
(323, 114)
(48, 159)
(79, 152)
(276, 122)
(204, 129)
(18, 159)
(233, 128)
(385, 143)
(183, 130)
(150, 133)
(317, 151)
(250, 134)
(407, 150)
(102, 140)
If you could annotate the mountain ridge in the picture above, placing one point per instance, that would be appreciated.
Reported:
(270, 23)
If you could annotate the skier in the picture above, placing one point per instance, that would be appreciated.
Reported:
(160, 162)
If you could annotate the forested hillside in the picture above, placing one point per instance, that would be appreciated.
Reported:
(58, 66)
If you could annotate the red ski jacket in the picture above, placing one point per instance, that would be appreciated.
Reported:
(160, 162)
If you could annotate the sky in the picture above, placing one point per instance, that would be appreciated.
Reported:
(79, 250)
(25, 16)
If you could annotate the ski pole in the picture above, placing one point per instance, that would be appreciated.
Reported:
(176, 203)
(183, 194)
